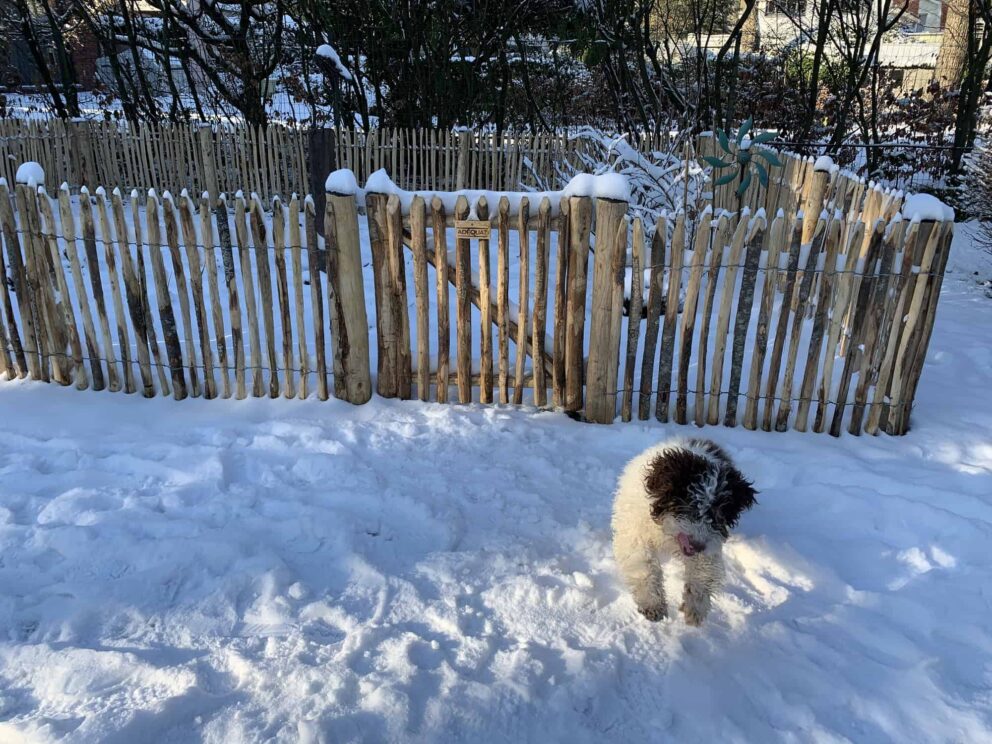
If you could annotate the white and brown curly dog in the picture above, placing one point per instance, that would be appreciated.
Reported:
(678, 499)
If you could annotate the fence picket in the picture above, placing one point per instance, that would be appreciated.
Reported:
(745, 226)
(801, 303)
(167, 317)
(485, 310)
(109, 241)
(523, 299)
(418, 240)
(30, 345)
(764, 318)
(213, 290)
(795, 232)
(664, 385)
(68, 225)
(282, 292)
(820, 323)
(297, 258)
(439, 232)
(721, 237)
(633, 316)
(837, 313)
(179, 276)
(503, 297)
(316, 297)
(260, 246)
(67, 319)
(704, 237)
(152, 333)
(580, 223)
(539, 330)
(96, 283)
(868, 278)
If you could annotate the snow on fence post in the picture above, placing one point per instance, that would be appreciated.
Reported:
(607, 297)
(349, 320)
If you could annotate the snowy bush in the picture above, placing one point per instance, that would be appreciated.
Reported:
(977, 194)
(660, 180)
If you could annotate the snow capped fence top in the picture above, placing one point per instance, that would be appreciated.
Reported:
(606, 186)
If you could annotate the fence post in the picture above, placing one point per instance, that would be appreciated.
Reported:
(387, 315)
(205, 137)
(607, 301)
(461, 167)
(814, 202)
(321, 163)
(349, 321)
(79, 136)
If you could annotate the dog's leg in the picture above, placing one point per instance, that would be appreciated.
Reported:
(703, 576)
(641, 572)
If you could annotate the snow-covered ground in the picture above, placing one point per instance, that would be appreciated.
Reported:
(231, 571)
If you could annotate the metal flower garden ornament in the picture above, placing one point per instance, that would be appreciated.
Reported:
(742, 158)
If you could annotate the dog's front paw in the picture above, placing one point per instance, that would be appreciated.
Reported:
(654, 613)
(695, 607)
(694, 616)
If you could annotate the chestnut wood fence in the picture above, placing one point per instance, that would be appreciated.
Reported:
(278, 160)
(814, 314)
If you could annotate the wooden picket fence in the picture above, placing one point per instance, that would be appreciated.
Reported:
(224, 158)
(744, 320)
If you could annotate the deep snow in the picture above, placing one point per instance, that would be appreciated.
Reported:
(258, 570)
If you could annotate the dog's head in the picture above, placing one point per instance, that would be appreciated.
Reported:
(696, 485)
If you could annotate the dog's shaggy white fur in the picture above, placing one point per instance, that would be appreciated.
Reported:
(679, 499)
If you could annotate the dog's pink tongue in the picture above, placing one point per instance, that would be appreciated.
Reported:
(687, 545)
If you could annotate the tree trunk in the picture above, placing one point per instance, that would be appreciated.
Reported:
(952, 57)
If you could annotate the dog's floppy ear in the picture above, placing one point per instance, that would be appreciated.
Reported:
(738, 496)
(668, 478)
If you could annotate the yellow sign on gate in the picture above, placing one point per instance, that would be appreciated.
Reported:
(472, 229)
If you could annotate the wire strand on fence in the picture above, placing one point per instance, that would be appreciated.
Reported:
(653, 394)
